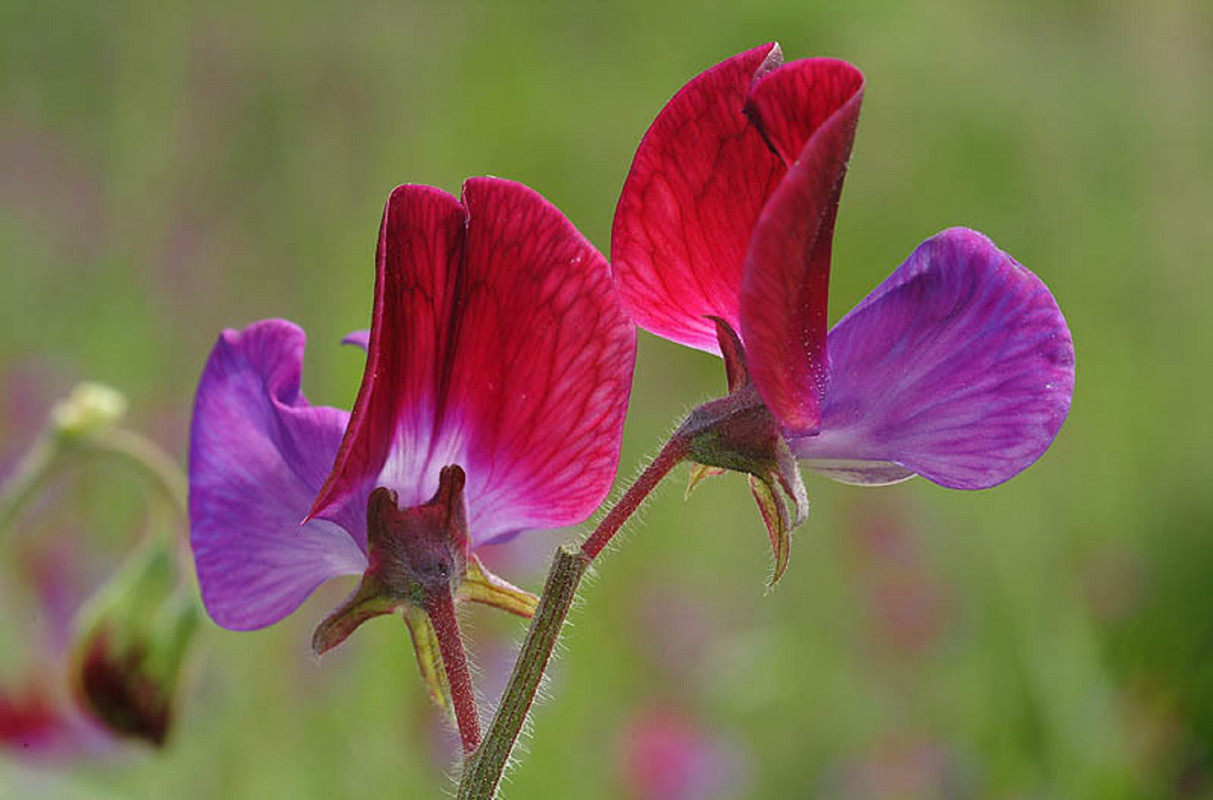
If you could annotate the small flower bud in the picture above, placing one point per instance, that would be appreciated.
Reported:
(133, 639)
(89, 408)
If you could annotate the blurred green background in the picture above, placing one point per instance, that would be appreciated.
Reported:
(170, 169)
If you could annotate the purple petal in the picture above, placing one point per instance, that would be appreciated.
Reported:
(258, 455)
(360, 338)
(958, 367)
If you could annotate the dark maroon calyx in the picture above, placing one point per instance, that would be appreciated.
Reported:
(416, 556)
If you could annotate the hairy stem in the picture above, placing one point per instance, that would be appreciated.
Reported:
(671, 455)
(441, 609)
(483, 769)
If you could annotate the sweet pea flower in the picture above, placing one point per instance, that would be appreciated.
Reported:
(497, 377)
(959, 367)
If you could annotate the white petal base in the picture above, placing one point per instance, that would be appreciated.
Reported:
(859, 473)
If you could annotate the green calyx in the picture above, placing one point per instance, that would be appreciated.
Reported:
(737, 432)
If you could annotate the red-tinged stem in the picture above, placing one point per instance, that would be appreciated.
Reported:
(441, 609)
(671, 455)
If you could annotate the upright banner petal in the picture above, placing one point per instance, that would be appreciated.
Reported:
(543, 365)
(417, 271)
(700, 178)
(807, 111)
(497, 343)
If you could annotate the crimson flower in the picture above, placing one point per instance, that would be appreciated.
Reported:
(497, 376)
(959, 367)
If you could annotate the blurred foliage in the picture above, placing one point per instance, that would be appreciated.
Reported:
(171, 169)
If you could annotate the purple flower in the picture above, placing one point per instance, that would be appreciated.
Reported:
(959, 367)
(498, 370)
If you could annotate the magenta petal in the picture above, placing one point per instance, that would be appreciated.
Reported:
(258, 454)
(807, 110)
(497, 343)
(700, 178)
(542, 365)
(417, 266)
(959, 367)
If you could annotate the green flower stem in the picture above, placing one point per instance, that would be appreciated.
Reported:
(34, 469)
(146, 457)
(51, 451)
(483, 769)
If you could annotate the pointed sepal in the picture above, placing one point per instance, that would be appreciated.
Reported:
(429, 658)
(736, 369)
(414, 553)
(784, 505)
(698, 473)
(419, 562)
(738, 432)
(481, 586)
(367, 602)
(779, 530)
(787, 473)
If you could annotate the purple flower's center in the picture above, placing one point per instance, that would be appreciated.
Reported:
(736, 432)
(419, 565)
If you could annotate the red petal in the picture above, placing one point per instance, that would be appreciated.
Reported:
(701, 176)
(417, 266)
(543, 367)
(497, 343)
(807, 111)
